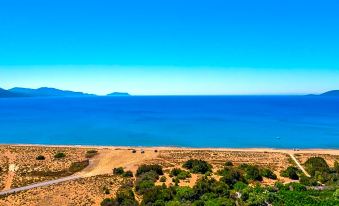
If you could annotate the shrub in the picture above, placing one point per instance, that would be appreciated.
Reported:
(147, 168)
(91, 153)
(230, 175)
(239, 186)
(78, 166)
(163, 179)
(128, 174)
(197, 166)
(118, 171)
(291, 172)
(40, 157)
(251, 172)
(228, 164)
(59, 155)
(268, 173)
(124, 197)
(314, 164)
(180, 174)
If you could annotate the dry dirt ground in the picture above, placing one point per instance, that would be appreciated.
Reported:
(90, 190)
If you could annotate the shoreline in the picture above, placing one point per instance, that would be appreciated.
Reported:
(230, 149)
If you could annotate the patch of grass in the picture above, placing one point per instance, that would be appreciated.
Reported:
(59, 155)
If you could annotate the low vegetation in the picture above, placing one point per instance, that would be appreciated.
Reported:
(198, 166)
(91, 153)
(40, 157)
(59, 155)
(239, 186)
(120, 171)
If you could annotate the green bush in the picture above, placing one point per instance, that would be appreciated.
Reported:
(59, 155)
(118, 171)
(179, 173)
(163, 179)
(291, 172)
(124, 197)
(315, 164)
(228, 164)
(147, 168)
(198, 166)
(230, 175)
(268, 174)
(128, 174)
(40, 157)
(251, 172)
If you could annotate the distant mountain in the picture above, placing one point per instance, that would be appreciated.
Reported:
(6, 94)
(331, 93)
(46, 92)
(118, 94)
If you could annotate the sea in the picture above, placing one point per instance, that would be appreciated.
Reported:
(182, 121)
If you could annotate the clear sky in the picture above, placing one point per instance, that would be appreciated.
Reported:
(171, 46)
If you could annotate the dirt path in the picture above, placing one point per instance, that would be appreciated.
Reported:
(298, 164)
(103, 163)
(11, 170)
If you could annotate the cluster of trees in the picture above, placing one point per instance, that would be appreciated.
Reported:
(237, 186)
(122, 172)
(198, 166)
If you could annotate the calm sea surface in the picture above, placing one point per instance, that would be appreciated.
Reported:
(194, 121)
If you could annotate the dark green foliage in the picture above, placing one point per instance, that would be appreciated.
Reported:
(268, 173)
(180, 174)
(336, 166)
(118, 171)
(231, 189)
(147, 168)
(124, 197)
(91, 153)
(128, 174)
(251, 172)
(230, 175)
(163, 179)
(291, 172)
(59, 155)
(78, 166)
(315, 164)
(198, 166)
(228, 164)
(145, 181)
(40, 157)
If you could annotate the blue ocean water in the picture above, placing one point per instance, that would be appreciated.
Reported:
(189, 121)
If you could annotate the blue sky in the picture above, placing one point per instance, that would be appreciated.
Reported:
(171, 46)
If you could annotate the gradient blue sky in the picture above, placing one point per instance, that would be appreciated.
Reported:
(171, 46)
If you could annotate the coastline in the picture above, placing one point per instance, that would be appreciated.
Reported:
(272, 150)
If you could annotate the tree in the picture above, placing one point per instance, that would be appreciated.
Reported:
(197, 166)
(147, 168)
(291, 172)
(314, 164)
(268, 173)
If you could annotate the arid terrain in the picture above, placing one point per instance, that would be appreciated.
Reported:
(19, 167)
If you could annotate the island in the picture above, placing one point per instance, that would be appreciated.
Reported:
(119, 94)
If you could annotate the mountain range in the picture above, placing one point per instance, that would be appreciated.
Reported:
(47, 92)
